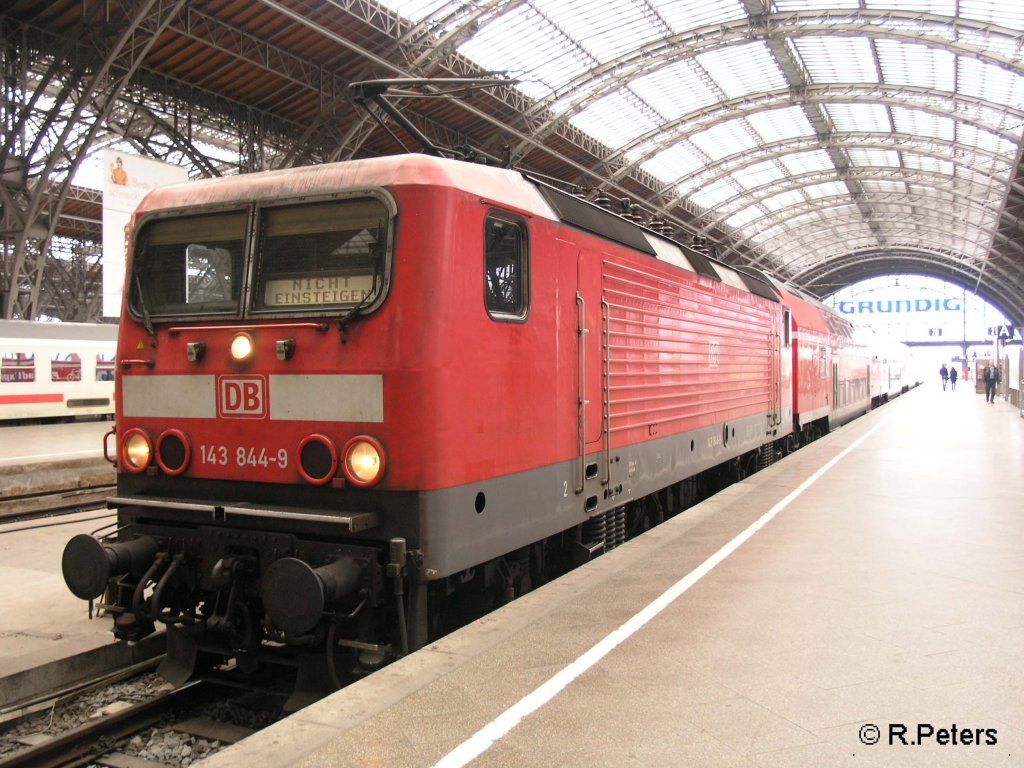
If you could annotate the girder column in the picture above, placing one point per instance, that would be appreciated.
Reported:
(83, 91)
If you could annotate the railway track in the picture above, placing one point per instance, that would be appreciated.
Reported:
(44, 503)
(100, 739)
(137, 724)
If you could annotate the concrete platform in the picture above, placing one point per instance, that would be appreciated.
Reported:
(48, 443)
(42, 621)
(867, 588)
(46, 637)
(51, 459)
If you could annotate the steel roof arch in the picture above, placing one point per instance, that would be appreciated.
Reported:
(680, 129)
(841, 222)
(727, 165)
(798, 268)
(793, 24)
(851, 229)
(825, 204)
(613, 75)
(925, 179)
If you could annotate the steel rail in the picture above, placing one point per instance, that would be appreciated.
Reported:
(98, 737)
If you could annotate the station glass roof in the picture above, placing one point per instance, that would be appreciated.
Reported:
(804, 130)
(824, 141)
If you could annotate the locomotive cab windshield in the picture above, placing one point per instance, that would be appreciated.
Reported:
(189, 265)
(310, 258)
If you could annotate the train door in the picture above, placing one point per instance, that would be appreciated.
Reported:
(835, 393)
(787, 372)
(591, 391)
(775, 377)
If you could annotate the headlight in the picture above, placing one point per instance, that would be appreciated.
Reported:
(364, 461)
(173, 452)
(136, 450)
(242, 347)
(318, 459)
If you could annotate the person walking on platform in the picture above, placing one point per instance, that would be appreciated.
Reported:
(952, 377)
(991, 379)
(944, 375)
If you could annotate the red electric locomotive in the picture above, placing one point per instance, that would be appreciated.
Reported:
(355, 399)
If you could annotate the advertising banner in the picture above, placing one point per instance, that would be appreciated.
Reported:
(126, 180)
(923, 310)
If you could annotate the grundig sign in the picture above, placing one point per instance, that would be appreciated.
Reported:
(899, 306)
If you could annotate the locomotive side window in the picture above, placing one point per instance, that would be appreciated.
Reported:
(506, 254)
(18, 367)
(321, 256)
(189, 265)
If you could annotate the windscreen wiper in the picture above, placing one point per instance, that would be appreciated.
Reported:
(146, 322)
(378, 276)
(366, 301)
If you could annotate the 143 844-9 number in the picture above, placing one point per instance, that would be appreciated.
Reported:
(244, 457)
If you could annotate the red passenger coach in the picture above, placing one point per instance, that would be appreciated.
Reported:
(358, 402)
(843, 370)
(814, 355)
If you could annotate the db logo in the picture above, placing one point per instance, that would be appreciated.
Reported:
(241, 397)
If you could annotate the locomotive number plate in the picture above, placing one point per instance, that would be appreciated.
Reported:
(243, 456)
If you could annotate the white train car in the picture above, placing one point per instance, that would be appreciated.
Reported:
(56, 370)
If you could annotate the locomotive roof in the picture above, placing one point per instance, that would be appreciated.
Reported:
(497, 184)
(501, 186)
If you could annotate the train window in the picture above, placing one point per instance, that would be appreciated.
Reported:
(321, 255)
(65, 367)
(17, 367)
(104, 367)
(189, 265)
(506, 268)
